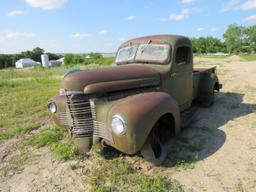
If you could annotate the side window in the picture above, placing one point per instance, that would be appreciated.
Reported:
(183, 55)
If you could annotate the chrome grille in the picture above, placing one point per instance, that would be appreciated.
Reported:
(83, 118)
(64, 118)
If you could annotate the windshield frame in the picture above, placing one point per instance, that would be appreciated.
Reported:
(164, 62)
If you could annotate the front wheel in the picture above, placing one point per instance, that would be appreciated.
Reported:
(153, 150)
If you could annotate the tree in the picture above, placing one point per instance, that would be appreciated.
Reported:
(53, 56)
(233, 38)
(214, 45)
(36, 54)
(250, 37)
(73, 59)
(199, 45)
(95, 55)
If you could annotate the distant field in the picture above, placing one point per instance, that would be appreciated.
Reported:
(249, 57)
(212, 56)
(242, 57)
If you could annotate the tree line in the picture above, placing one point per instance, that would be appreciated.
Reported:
(8, 60)
(236, 39)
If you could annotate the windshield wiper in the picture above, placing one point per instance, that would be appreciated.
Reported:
(142, 51)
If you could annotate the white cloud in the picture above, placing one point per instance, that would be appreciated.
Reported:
(232, 4)
(103, 32)
(186, 1)
(185, 11)
(236, 5)
(250, 4)
(178, 17)
(251, 18)
(184, 14)
(200, 29)
(13, 35)
(131, 17)
(79, 35)
(214, 29)
(121, 39)
(15, 13)
(46, 4)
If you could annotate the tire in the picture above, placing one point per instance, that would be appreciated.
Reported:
(208, 99)
(153, 150)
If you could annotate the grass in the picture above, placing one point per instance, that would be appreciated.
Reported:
(19, 160)
(47, 137)
(121, 176)
(239, 187)
(102, 61)
(19, 131)
(3, 173)
(53, 137)
(24, 93)
(65, 151)
(183, 161)
(248, 57)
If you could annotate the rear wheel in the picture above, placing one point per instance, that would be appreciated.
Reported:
(208, 99)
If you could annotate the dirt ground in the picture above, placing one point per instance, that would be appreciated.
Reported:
(224, 135)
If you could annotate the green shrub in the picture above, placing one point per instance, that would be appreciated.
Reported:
(73, 59)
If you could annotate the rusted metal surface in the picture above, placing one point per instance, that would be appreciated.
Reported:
(169, 39)
(141, 112)
(79, 80)
(104, 87)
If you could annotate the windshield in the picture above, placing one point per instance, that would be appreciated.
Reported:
(126, 54)
(153, 53)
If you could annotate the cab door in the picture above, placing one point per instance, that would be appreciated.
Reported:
(181, 77)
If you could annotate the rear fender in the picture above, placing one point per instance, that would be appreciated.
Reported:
(140, 113)
(207, 83)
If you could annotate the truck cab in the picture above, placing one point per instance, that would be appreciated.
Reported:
(136, 105)
(171, 56)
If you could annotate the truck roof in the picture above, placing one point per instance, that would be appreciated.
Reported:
(171, 39)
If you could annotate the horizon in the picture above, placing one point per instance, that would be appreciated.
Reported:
(83, 26)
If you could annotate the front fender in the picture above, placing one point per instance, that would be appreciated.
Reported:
(140, 113)
(60, 117)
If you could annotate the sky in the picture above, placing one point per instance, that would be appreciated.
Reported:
(81, 26)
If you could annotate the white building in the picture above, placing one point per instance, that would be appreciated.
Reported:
(58, 62)
(25, 62)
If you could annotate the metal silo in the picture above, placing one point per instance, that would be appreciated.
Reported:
(45, 60)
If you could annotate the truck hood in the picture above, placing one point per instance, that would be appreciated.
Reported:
(111, 79)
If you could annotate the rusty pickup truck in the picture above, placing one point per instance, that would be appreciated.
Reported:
(137, 104)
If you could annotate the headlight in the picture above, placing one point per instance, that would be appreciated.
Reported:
(118, 124)
(62, 92)
(52, 107)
